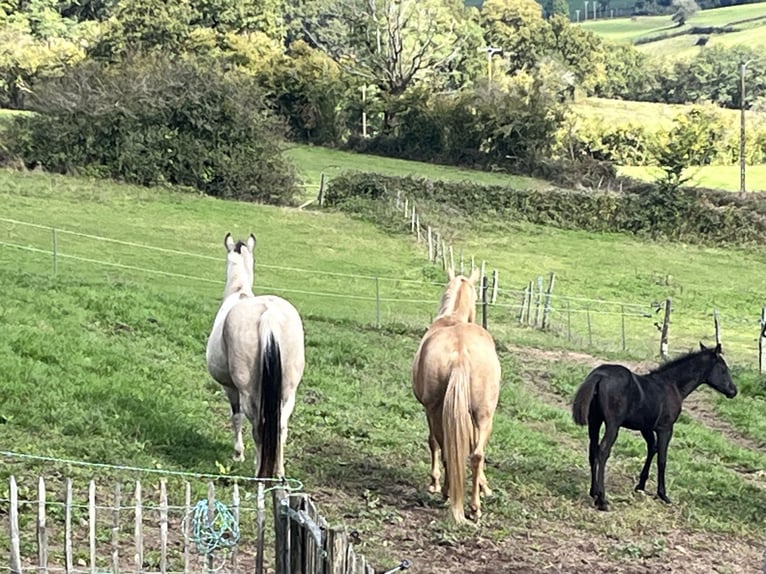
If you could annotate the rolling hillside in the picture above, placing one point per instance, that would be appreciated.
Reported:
(114, 341)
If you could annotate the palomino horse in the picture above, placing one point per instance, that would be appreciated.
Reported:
(256, 352)
(456, 377)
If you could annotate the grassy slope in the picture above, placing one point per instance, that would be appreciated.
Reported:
(630, 30)
(126, 348)
(724, 177)
(313, 161)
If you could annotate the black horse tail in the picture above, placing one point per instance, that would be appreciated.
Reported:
(271, 405)
(584, 397)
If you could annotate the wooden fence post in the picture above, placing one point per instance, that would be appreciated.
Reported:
(547, 307)
(13, 516)
(590, 327)
(42, 530)
(281, 532)
(431, 257)
(484, 302)
(538, 300)
(664, 331)
(320, 195)
(762, 343)
(412, 222)
(298, 537)
(116, 528)
(530, 295)
(260, 505)
(622, 321)
(523, 306)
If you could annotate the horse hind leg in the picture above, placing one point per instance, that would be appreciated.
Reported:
(434, 433)
(237, 418)
(594, 430)
(287, 408)
(480, 485)
(605, 448)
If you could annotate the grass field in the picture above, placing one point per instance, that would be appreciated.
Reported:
(724, 177)
(107, 363)
(313, 161)
(643, 27)
(648, 114)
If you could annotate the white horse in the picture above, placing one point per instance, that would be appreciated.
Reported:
(256, 351)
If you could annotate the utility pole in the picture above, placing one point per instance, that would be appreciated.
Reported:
(490, 52)
(742, 69)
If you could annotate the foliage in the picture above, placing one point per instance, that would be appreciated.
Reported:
(518, 28)
(306, 88)
(393, 45)
(645, 210)
(684, 9)
(693, 140)
(192, 125)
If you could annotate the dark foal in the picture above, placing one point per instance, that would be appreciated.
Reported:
(650, 403)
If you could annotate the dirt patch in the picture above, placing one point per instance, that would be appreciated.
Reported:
(554, 547)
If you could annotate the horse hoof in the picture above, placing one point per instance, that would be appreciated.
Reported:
(639, 488)
(433, 488)
(664, 498)
(602, 505)
(238, 457)
(486, 491)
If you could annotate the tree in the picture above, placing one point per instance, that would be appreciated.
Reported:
(581, 50)
(391, 44)
(685, 9)
(556, 7)
(518, 28)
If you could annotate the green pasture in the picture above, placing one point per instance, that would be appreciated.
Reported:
(642, 27)
(312, 161)
(724, 177)
(106, 363)
(655, 115)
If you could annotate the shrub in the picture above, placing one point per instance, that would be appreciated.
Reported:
(150, 120)
(693, 215)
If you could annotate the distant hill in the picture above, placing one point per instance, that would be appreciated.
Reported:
(729, 26)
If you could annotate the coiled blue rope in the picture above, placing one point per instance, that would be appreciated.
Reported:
(223, 533)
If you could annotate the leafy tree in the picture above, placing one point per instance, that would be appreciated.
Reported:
(145, 26)
(581, 50)
(685, 9)
(392, 44)
(518, 28)
(555, 7)
(693, 140)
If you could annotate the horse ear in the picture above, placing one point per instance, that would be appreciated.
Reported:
(450, 273)
(251, 242)
(228, 242)
(474, 275)
(702, 347)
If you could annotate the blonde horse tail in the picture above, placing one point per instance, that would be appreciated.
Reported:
(271, 397)
(458, 430)
(584, 397)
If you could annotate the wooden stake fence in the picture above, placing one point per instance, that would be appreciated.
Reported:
(304, 542)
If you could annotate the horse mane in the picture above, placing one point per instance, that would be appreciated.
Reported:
(681, 361)
(449, 300)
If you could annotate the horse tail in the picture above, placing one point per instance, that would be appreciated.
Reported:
(458, 430)
(584, 397)
(271, 395)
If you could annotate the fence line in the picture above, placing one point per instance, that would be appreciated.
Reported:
(212, 258)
